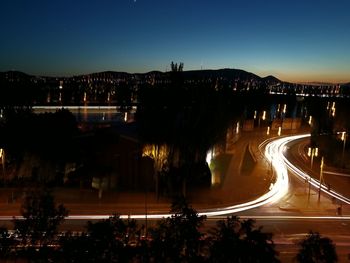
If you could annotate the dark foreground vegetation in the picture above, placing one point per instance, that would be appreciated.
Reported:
(36, 238)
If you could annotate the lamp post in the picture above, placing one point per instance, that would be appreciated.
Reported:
(321, 177)
(312, 151)
(308, 195)
(343, 138)
(2, 158)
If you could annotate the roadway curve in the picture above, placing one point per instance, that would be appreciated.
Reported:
(274, 150)
(306, 177)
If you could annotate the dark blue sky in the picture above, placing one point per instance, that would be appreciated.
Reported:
(298, 40)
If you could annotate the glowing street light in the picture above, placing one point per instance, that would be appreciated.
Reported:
(321, 177)
(264, 115)
(2, 157)
(312, 151)
(268, 130)
(343, 138)
(279, 131)
(310, 120)
(333, 109)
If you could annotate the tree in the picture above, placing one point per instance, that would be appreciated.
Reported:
(105, 241)
(41, 219)
(239, 241)
(177, 238)
(315, 248)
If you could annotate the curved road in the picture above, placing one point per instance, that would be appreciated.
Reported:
(274, 152)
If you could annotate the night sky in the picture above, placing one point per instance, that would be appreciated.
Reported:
(295, 40)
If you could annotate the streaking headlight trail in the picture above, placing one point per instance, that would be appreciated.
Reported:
(277, 190)
(274, 153)
(314, 182)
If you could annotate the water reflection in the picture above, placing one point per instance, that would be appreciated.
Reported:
(92, 114)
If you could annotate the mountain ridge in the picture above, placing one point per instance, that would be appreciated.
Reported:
(228, 73)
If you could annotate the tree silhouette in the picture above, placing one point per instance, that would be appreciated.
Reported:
(39, 226)
(104, 241)
(239, 241)
(315, 248)
(177, 238)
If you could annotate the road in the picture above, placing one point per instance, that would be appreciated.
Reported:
(287, 209)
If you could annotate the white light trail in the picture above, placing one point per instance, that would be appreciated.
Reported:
(274, 153)
(314, 182)
(277, 190)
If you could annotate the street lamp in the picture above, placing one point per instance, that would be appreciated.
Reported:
(343, 138)
(310, 120)
(2, 158)
(312, 151)
(321, 177)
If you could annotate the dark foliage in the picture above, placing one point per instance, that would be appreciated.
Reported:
(316, 249)
(177, 238)
(239, 241)
(41, 218)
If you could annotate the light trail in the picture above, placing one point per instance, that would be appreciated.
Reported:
(277, 190)
(256, 217)
(303, 175)
(274, 153)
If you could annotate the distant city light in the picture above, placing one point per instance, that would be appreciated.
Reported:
(279, 131)
(237, 127)
(268, 130)
(310, 120)
(333, 109)
(264, 115)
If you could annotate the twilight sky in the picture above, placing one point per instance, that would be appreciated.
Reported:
(295, 40)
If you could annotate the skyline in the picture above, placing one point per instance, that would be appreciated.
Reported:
(296, 41)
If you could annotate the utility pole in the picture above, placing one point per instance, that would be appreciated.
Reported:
(343, 138)
(321, 177)
(308, 195)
